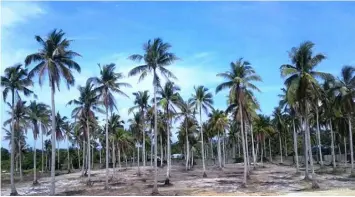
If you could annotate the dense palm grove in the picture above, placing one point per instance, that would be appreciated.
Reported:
(316, 110)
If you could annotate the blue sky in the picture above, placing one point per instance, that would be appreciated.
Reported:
(207, 36)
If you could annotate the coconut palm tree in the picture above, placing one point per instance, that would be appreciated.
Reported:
(168, 98)
(202, 99)
(15, 81)
(86, 105)
(345, 94)
(301, 81)
(141, 103)
(156, 58)
(239, 79)
(108, 83)
(39, 118)
(186, 113)
(55, 60)
(219, 122)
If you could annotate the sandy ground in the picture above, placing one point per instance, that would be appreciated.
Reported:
(268, 180)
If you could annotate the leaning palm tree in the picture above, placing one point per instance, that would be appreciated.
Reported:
(108, 83)
(56, 61)
(156, 58)
(345, 94)
(168, 98)
(301, 82)
(15, 81)
(141, 103)
(38, 116)
(239, 79)
(202, 99)
(86, 104)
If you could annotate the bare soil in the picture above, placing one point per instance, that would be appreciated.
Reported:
(268, 180)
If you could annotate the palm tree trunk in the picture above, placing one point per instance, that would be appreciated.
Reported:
(83, 167)
(42, 148)
(125, 156)
(219, 151)
(252, 144)
(309, 145)
(46, 161)
(286, 152)
(187, 147)
(192, 158)
(295, 145)
(261, 155)
(58, 156)
(202, 148)
(119, 157)
(224, 152)
(89, 146)
(92, 157)
(244, 146)
(20, 160)
(100, 157)
(151, 150)
(264, 144)
(143, 148)
(139, 171)
(106, 133)
(238, 144)
(319, 140)
(113, 158)
(280, 142)
(345, 153)
(34, 163)
(161, 150)
(332, 143)
(270, 157)
(52, 192)
(68, 158)
(155, 188)
(78, 156)
(247, 147)
(13, 187)
(168, 157)
(351, 144)
(211, 144)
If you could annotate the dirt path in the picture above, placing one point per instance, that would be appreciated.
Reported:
(268, 180)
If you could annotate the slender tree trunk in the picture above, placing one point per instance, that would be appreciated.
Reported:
(233, 148)
(351, 144)
(52, 192)
(192, 158)
(13, 187)
(168, 157)
(106, 133)
(68, 158)
(46, 161)
(244, 145)
(113, 158)
(35, 162)
(238, 144)
(345, 153)
(20, 160)
(125, 156)
(83, 167)
(78, 156)
(305, 152)
(139, 171)
(270, 152)
(252, 144)
(100, 157)
(202, 148)
(92, 157)
(332, 143)
(151, 149)
(224, 152)
(280, 141)
(309, 145)
(211, 144)
(187, 146)
(58, 156)
(119, 157)
(295, 148)
(155, 188)
(319, 140)
(143, 148)
(286, 152)
(262, 154)
(219, 151)
(264, 144)
(89, 146)
(42, 147)
(161, 150)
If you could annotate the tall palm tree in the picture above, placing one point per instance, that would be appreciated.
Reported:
(239, 79)
(345, 97)
(168, 98)
(15, 81)
(219, 122)
(301, 82)
(202, 99)
(87, 103)
(108, 83)
(141, 103)
(156, 58)
(38, 115)
(186, 113)
(56, 61)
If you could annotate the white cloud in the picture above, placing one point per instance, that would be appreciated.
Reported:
(13, 13)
